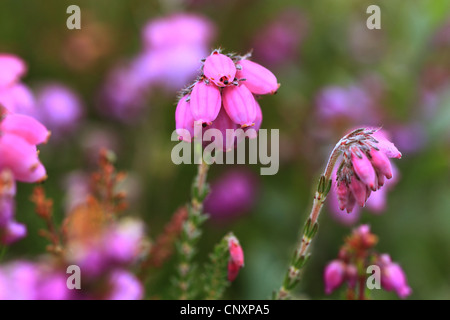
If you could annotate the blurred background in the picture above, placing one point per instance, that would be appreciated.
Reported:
(113, 83)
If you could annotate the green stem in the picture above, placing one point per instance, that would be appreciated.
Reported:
(191, 233)
(3, 250)
(301, 255)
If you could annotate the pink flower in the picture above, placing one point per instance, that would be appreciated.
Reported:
(13, 68)
(184, 121)
(205, 102)
(334, 275)
(258, 79)
(218, 86)
(236, 261)
(393, 277)
(20, 135)
(364, 167)
(14, 96)
(240, 105)
(219, 69)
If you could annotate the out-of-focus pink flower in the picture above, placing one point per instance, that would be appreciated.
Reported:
(393, 277)
(232, 194)
(14, 96)
(236, 261)
(410, 138)
(58, 108)
(13, 68)
(20, 135)
(123, 285)
(278, 41)
(351, 103)
(118, 245)
(333, 276)
(123, 95)
(177, 28)
(10, 230)
(23, 280)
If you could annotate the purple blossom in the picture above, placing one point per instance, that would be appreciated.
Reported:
(232, 194)
(58, 108)
(278, 41)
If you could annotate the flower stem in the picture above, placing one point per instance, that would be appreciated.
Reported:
(301, 255)
(190, 235)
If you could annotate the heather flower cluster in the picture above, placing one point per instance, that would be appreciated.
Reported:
(354, 257)
(365, 167)
(223, 96)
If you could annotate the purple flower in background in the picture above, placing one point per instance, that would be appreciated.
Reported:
(58, 108)
(177, 28)
(410, 137)
(232, 194)
(123, 95)
(115, 247)
(351, 104)
(278, 42)
(172, 49)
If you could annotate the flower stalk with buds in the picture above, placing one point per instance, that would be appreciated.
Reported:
(364, 166)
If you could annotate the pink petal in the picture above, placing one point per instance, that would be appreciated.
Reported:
(259, 80)
(386, 146)
(240, 105)
(219, 69)
(21, 158)
(359, 191)
(342, 193)
(13, 232)
(26, 127)
(363, 168)
(381, 163)
(205, 102)
(184, 121)
(18, 98)
(236, 252)
(12, 68)
(227, 128)
(252, 132)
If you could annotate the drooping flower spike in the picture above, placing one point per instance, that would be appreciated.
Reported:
(365, 166)
(229, 81)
